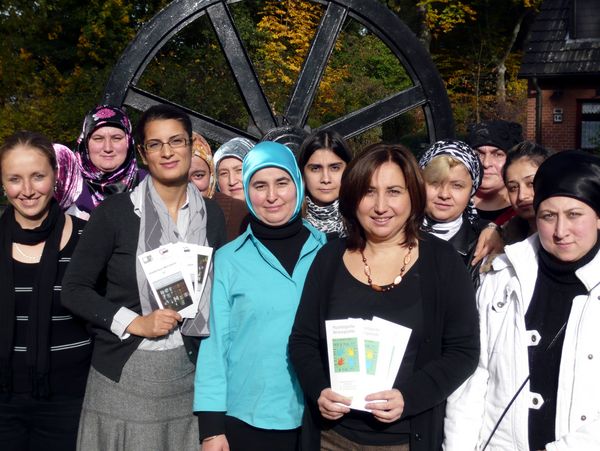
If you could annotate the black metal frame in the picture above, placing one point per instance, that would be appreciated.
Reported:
(428, 91)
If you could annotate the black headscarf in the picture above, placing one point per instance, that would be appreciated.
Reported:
(38, 326)
(572, 173)
(500, 134)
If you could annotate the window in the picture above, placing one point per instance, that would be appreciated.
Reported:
(585, 19)
(590, 125)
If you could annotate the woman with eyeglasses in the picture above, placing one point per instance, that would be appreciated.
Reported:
(140, 388)
(106, 161)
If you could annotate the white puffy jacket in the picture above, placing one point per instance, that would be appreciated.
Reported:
(503, 298)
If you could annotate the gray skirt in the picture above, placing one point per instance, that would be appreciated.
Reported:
(150, 408)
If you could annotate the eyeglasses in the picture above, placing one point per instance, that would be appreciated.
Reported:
(156, 145)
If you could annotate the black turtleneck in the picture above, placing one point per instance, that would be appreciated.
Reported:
(549, 310)
(285, 242)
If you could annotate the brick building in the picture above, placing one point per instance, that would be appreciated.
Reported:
(562, 66)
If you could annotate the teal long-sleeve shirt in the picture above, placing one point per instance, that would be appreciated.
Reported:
(243, 366)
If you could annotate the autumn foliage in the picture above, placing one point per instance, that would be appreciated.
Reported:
(56, 57)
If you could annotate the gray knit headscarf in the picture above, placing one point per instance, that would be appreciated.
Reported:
(236, 147)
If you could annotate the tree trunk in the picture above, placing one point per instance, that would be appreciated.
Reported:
(501, 82)
(501, 65)
(424, 32)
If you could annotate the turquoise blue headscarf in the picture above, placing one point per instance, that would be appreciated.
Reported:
(268, 154)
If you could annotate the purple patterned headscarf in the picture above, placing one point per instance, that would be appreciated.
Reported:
(69, 180)
(99, 183)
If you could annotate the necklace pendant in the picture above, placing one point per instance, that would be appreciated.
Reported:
(377, 287)
(397, 279)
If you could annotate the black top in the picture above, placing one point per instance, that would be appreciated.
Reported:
(285, 242)
(498, 216)
(70, 343)
(447, 348)
(351, 298)
(102, 278)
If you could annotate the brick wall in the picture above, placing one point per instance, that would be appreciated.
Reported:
(557, 136)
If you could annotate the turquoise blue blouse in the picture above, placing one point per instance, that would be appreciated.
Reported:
(243, 366)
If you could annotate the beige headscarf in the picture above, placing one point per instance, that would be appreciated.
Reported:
(201, 149)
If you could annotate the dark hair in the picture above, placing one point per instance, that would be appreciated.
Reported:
(357, 180)
(161, 112)
(325, 139)
(526, 149)
(35, 140)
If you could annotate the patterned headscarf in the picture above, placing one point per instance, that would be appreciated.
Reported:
(201, 149)
(69, 180)
(99, 182)
(326, 218)
(467, 156)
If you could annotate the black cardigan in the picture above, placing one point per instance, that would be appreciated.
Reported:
(447, 355)
(101, 278)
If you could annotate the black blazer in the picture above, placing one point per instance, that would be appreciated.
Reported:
(101, 278)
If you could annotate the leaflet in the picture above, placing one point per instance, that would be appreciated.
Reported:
(196, 261)
(399, 336)
(345, 349)
(177, 275)
(364, 356)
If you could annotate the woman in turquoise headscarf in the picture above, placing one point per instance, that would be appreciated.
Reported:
(246, 395)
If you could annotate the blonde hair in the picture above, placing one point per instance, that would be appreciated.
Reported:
(438, 168)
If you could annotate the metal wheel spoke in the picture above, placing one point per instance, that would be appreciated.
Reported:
(370, 116)
(427, 91)
(211, 128)
(315, 64)
(241, 66)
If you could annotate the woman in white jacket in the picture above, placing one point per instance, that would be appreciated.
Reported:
(536, 386)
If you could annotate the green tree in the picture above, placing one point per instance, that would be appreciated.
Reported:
(57, 55)
(56, 58)
(477, 51)
(286, 30)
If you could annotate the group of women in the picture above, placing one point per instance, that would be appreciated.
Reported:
(104, 368)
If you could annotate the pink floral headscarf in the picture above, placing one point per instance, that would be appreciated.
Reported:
(100, 183)
(69, 180)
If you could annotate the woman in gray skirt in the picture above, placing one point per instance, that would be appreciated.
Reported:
(140, 387)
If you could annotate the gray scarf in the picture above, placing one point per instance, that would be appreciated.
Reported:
(156, 229)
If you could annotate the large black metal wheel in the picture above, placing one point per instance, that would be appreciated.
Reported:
(427, 90)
